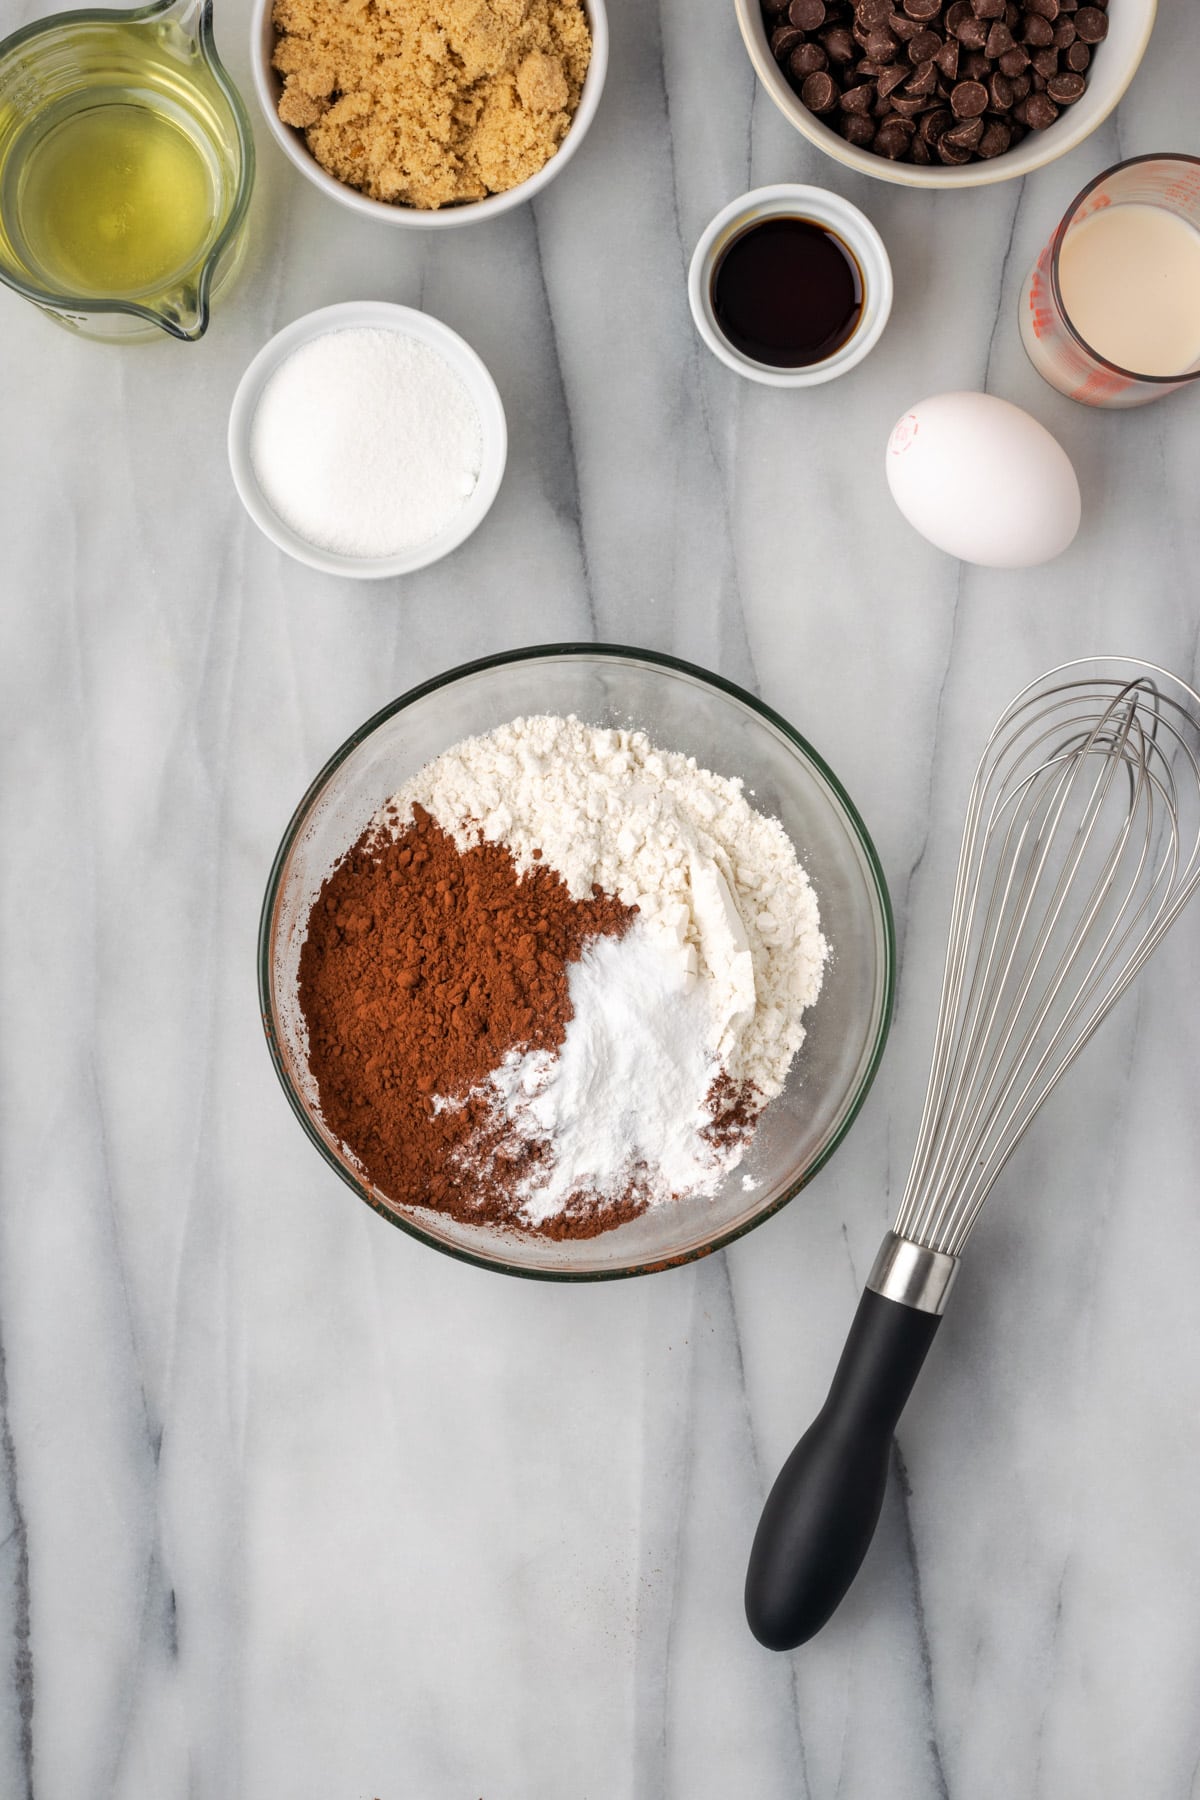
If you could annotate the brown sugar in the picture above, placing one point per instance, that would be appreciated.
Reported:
(428, 103)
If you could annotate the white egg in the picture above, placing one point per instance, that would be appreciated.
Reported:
(983, 481)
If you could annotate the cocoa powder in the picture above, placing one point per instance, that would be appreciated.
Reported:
(423, 966)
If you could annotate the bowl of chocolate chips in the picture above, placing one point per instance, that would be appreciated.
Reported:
(946, 93)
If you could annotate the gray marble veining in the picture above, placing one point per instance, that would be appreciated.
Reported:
(290, 1506)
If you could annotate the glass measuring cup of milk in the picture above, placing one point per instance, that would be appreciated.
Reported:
(126, 164)
(1110, 314)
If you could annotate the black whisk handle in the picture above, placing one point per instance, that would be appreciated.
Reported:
(822, 1511)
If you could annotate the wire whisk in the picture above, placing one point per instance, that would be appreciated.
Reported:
(1080, 850)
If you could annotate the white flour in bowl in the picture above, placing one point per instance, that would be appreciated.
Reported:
(686, 1026)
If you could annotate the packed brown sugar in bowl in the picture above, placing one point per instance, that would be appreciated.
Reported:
(556, 981)
(430, 103)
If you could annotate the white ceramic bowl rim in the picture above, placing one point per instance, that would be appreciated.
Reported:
(290, 141)
(406, 320)
(1075, 124)
(787, 200)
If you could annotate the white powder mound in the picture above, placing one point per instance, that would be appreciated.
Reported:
(627, 1090)
(713, 880)
(366, 442)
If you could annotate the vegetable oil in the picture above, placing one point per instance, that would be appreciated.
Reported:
(115, 197)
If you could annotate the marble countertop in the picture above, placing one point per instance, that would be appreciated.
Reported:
(292, 1506)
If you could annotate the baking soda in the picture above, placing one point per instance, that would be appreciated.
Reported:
(628, 1091)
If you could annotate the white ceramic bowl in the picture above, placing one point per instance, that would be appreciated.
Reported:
(380, 315)
(792, 200)
(1113, 67)
(268, 86)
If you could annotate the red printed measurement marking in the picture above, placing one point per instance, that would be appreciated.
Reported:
(1041, 311)
(1101, 385)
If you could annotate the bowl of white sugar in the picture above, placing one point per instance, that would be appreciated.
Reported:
(367, 440)
(576, 962)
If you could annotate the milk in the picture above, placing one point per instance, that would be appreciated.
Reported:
(1130, 282)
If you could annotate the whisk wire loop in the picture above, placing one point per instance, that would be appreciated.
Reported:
(1080, 848)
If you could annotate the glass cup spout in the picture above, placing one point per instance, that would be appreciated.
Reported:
(126, 167)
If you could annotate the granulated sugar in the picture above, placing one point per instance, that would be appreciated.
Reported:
(366, 442)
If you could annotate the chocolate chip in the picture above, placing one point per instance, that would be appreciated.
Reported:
(947, 59)
(951, 153)
(857, 130)
(872, 12)
(923, 80)
(893, 138)
(974, 66)
(839, 44)
(997, 136)
(858, 99)
(988, 9)
(935, 123)
(1000, 94)
(965, 135)
(881, 45)
(999, 39)
(1014, 61)
(1021, 84)
(922, 9)
(784, 40)
(1091, 25)
(1064, 33)
(909, 106)
(819, 92)
(968, 100)
(809, 15)
(1046, 62)
(919, 151)
(1066, 88)
(891, 79)
(1078, 57)
(807, 60)
(925, 45)
(1038, 111)
(1037, 31)
(1047, 8)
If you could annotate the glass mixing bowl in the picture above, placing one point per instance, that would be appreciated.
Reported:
(680, 708)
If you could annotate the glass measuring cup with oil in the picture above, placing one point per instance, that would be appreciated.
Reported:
(126, 164)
